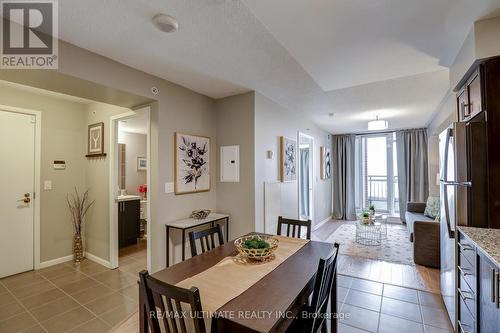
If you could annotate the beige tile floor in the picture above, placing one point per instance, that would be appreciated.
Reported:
(376, 307)
(86, 297)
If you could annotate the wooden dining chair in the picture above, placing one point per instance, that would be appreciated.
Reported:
(161, 304)
(294, 225)
(206, 238)
(316, 312)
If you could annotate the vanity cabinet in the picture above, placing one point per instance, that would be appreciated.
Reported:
(128, 222)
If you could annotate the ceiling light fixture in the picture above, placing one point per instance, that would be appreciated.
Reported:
(377, 125)
(165, 23)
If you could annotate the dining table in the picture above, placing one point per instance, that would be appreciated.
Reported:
(269, 305)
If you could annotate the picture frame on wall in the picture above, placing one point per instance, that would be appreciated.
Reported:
(95, 139)
(325, 162)
(288, 159)
(142, 164)
(192, 163)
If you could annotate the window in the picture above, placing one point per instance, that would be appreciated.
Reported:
(376, 173)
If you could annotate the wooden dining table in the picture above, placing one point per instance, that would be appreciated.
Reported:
(267, 306)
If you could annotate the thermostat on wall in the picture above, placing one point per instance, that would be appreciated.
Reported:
(59, 165)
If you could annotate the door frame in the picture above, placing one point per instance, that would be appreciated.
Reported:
(36, 185)
(312, 168)
(113, 168)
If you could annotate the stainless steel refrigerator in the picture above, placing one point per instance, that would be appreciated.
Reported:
(463, 192)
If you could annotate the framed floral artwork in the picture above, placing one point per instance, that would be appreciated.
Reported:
(325, 156)
(288, 159)
(192, 163)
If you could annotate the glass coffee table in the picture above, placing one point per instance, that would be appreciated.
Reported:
(370, 234)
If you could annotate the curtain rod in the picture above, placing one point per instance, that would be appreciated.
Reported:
(381, 132)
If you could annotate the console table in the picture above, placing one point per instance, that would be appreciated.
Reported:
(191, 223)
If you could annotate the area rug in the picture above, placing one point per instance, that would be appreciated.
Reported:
(396, 248)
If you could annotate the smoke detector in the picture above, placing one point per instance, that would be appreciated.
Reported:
(165, 23)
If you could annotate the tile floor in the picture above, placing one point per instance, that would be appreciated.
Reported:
(72, 298)
(370, 306)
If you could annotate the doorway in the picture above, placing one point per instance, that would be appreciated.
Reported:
(20, 212)
(305, 162)
(130, 199)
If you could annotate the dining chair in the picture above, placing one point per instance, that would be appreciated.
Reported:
(163, 303)
(313, 316)
(206, 238)
(295, 225)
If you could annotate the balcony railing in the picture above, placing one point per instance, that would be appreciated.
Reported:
(377, 192)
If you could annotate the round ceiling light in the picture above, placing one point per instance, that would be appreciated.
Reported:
(165, 23)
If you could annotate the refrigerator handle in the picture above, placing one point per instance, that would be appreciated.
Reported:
(451, 233)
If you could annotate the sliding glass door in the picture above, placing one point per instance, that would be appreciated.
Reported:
(376, 173)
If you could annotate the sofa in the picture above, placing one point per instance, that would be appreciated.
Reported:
(424, 233)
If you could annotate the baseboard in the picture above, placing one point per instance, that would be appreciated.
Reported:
(53, 262)
(317, 226)
(98, 260)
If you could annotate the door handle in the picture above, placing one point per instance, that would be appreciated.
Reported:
(464, 271)
(26, 198)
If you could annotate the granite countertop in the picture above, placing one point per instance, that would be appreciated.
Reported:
(488, 240)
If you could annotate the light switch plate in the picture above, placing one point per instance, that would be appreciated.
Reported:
(47, 185)
(169, 188)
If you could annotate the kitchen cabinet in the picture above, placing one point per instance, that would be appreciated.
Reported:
(128, 222)
(470, 96)
(489, 310)
(477, 288)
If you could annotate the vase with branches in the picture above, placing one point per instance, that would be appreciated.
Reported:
(78, 206)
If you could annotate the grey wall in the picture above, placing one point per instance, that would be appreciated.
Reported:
(62, 139)
(135, 146)
(235, 126)
(443, 118)
(97, 182)
(271, 122)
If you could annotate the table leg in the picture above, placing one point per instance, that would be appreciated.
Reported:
(167, 241)
(227, 229)
(183, 244)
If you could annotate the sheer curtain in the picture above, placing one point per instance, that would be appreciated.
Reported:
(304, 182)
(413, 173)
(343, 177)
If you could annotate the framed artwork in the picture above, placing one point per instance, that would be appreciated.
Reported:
(192, 163)
(96, 139)
(325, 156)
(288, 159)
(142, 163)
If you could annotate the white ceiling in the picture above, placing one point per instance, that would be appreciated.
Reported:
(293, 51)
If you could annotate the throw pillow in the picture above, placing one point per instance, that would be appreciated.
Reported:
(432, 207)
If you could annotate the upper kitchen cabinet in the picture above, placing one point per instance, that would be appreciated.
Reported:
(470, 96)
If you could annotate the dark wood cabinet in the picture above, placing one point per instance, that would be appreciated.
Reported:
(489, 310)
(128, 222)
(478, 105)
(470, 96)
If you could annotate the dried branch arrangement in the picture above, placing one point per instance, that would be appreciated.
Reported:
(78, 206)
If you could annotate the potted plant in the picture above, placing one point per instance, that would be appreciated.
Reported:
(78, 206)
(365, 217)
(371, 208)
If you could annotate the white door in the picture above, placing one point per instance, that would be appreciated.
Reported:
(17, 170)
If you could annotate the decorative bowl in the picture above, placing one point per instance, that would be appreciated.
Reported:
(259, 254)
(200, 214)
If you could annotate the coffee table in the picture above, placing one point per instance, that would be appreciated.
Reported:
(370, 234)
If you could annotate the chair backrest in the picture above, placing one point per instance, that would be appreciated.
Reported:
(163, 306)
(206, 238)
(327, 271)
(293, 226)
